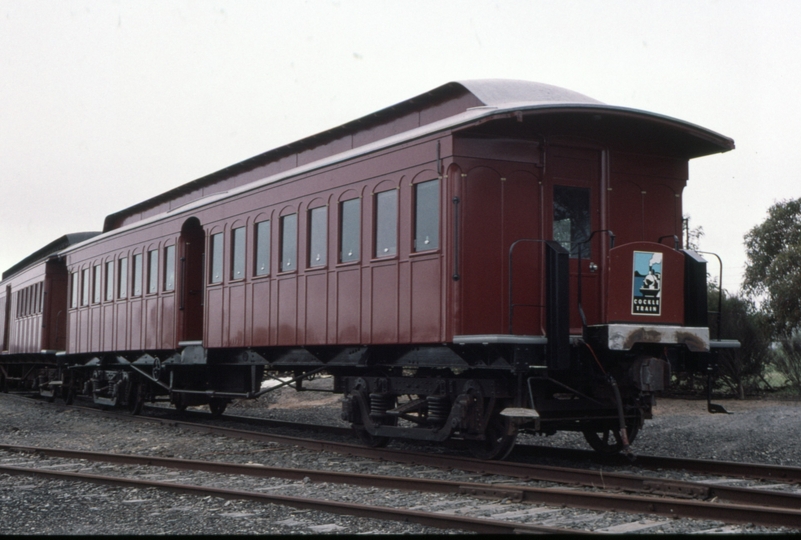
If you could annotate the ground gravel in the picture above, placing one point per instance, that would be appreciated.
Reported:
(758, 431)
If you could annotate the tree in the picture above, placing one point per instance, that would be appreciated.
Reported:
(692, 237)
(788, 359)
(741, 370)
(773, 270)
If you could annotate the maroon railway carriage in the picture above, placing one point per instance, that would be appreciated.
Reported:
(33, 316)
(488, 257)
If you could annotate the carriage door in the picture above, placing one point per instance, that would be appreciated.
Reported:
(192, 246)
(6, 319)
(572, 186)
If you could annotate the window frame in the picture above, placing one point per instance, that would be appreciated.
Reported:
(577, 248)
(316, 239)
(357, 241)
(283, 250)
(74, 292)
(153, 271)
(109, 276)
(262, 255)
(168, 283)
(381, 234)
(238, 253)
(85, 287)
(97, 282)
(137, 271)
(123, 278)
(434, 225)
(216, 258)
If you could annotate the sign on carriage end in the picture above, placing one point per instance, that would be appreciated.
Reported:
(647, 280)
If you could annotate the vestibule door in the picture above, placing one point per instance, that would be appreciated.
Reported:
(572, 208)
(191, 288)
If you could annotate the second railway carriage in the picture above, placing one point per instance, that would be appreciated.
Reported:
(33, 316)
(488, 257)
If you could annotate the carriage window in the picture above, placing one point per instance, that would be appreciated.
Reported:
(96, 286)
(216, 258)
(386, 223)
(571, 219)
(110, 280)
(349, 228)
(262, 248)
(318, 236)
(85, 287)
(137, 275)
(289, 242)
(238, 254)
(122, 278)
(426, 215)
(169, 268)
(153, 271)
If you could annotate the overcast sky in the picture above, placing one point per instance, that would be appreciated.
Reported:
(104, 104)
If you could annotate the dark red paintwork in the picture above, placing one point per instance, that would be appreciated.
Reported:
(502, 168)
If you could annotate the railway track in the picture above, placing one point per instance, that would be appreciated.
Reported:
(757, 471)
(206, 423)
(553, 498)
(754, 506)
(654, 497)
(431, 519)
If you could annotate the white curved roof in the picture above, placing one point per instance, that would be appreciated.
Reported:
(507, 92)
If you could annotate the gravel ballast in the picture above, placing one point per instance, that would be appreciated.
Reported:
(758, 431)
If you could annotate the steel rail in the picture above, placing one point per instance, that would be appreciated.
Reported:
(667, 507)
(559, 475)
(759, 471)
(440, 521)
(543, 473)
(593, 479)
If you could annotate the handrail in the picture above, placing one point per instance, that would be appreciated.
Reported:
(455, 201)
(580, 258)
(181, 305)
(720, 288)
(675, 240)
(511, 280)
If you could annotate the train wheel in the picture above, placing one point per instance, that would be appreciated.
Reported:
(217, 406)
(3, 384)
(367, 438)
(607, 441)
(69, 395)
(180, 403)
(497, 443)
(136, 398)
(370, 440)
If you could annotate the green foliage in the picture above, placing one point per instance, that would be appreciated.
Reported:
(692, 237)
(741, 370)
(773, 270)
(788, 359)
